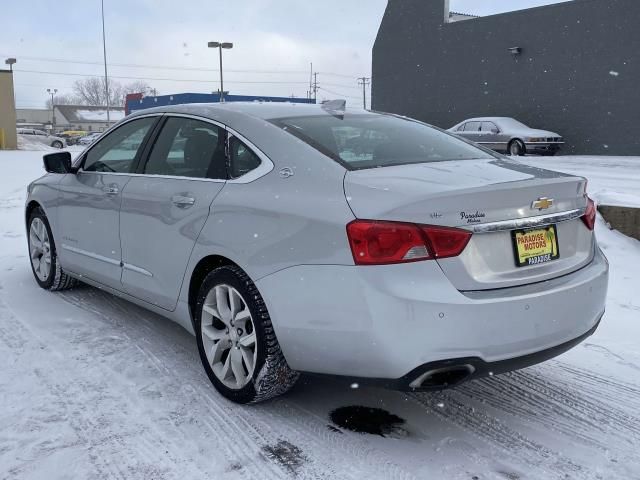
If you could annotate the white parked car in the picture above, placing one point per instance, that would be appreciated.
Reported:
(43, 137)
(89, 139)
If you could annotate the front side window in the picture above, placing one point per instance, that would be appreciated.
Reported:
(241, 159)
(373, 140)
(117, 151)
(188, 148)
(472, 127)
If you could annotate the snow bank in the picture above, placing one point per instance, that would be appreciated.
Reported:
(612, 180)
(99, 115)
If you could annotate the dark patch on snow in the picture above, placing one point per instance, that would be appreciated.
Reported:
(334, 429)
(286, 455)
(234, 467)
(510, 475)
(374, 421)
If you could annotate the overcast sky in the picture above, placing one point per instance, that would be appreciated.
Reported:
(275, 41)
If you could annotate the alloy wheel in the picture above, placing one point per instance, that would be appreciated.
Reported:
(40, 249)
(228, 336)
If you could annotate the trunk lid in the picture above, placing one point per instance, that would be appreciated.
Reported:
(474, 194)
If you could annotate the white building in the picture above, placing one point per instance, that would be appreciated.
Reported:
(71, 117)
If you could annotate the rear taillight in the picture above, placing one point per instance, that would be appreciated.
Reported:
(382, 243)
(589, 217)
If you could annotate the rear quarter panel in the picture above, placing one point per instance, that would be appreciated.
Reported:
(275, 223)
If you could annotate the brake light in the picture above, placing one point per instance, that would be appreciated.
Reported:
(382, 243)
(446, 242)
(589, 217)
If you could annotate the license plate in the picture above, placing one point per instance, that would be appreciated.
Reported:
(536, 246)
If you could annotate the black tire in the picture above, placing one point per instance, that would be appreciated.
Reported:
(517, 148)
(272, 376)
(57, 144)
(57, 279)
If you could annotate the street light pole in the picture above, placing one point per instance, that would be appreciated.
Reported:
(106, 76)
(10, 62)
(52, 92)
(221, 45)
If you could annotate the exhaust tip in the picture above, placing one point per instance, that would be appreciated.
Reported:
(442, 378)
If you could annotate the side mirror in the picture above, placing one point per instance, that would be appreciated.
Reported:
(495, 131)
(59, 162)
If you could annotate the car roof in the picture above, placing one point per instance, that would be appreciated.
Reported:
(259, 110)
(487, 119)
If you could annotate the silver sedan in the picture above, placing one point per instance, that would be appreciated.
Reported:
(40, 136)
(508, 135)
(300, 238)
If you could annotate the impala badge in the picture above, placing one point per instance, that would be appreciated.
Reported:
(542, 203)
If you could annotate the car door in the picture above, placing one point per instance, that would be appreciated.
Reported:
(90, 203)
(166, 205)
(490, 136)
(471, 131)
(40, 137)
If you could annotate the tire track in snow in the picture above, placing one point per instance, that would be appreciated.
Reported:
(69, 396)
(617, 392)
(224, 432)
(518, 448)
(252, 427)
(559, 407)
(311, 430)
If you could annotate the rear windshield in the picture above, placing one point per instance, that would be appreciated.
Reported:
(377, 140)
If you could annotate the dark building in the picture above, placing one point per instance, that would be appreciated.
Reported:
(573, 68)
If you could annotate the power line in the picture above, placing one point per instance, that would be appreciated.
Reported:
(179, 68)
(338, 94)
(121, 77)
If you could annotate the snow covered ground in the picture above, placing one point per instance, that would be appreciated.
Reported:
(612, 180)
(94, 387)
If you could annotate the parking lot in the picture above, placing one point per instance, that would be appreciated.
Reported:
(103, 389)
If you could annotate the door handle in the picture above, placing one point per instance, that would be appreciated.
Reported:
(111, 189)
(182, 201)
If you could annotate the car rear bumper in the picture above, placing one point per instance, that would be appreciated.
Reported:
(388, 322)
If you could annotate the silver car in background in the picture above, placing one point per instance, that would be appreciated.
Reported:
(504, 134)
(40, 136)
(299, 238)
(89, 139)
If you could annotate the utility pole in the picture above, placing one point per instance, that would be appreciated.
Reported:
(365, 82)
(314, 87)
(52, 92)
(106, 75)
(310, 82)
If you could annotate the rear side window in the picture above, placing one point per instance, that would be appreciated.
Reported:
(117, 151)
(188, 148)
(241, 159)
(360, 141)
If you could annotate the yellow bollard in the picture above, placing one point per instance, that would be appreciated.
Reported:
(1, 138)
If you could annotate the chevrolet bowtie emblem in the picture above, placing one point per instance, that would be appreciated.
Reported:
(542, 203)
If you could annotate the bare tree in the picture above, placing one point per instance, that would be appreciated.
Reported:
(64, 99)
(91, 91)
